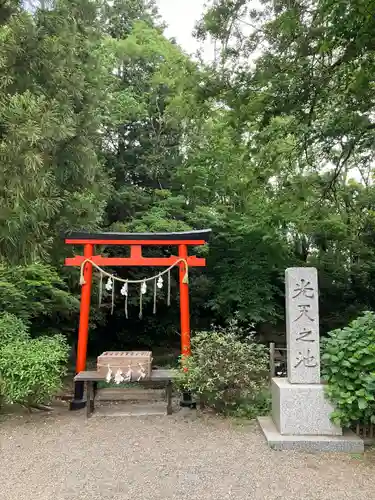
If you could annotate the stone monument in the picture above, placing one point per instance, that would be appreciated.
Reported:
(300, 412)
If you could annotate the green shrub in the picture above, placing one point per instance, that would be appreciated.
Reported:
(37, 294)
(255, 407)
(224, 371)
(348, 366)
(31, 370)
(11, 329)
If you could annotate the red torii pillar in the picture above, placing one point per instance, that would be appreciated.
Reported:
(135, 241)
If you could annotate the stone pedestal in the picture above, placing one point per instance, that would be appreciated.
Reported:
(300, 412)
(349, 442)
(301, 409)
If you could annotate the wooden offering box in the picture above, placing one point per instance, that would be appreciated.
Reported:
(123, 360)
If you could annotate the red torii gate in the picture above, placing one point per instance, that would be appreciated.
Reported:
(135, 240)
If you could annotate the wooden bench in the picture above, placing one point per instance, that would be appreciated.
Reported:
(91, 379)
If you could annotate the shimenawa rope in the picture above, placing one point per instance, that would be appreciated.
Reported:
(144, 280)
(112, 280)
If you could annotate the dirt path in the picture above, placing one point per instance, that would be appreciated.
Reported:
(63, 457)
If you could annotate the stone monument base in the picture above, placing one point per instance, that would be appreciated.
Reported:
(347, 443)
(301, 409)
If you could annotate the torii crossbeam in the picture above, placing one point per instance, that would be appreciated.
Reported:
(136, 241)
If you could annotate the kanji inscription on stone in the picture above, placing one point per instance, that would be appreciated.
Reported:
(302, 325)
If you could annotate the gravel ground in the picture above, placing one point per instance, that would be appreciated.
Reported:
(183, 457)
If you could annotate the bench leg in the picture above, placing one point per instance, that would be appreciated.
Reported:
(94, 391)
(168, 391)
(95, 386)
(90, 400)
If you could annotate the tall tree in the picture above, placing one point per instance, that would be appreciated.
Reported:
(53, 80)
(296, 80)
(150, 98)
